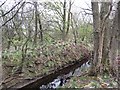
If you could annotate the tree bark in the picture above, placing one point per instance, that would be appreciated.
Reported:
(41, 29)
(113, 45)
(64, 20)
(1, 72)
(68, 21)
(118, 43)
(95, 10)
(119, 28)
(104, 36)
(36, 27)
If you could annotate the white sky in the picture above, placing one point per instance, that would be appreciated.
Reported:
(77, 3)
(76, 7)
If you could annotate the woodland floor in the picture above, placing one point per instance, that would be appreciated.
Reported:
(57, 55)
(86, 81)
(52, 56)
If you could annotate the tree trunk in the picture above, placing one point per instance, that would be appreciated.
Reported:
(119, 28)
(113, 45)
(118, 43)
(104, 37)
(40, 34)
(68, 21)
(41, 29)
(95, 10)
(64, 20)
(74, 29)
(1, 72)
(36, 27)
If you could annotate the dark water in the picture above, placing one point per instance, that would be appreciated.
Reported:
(61, 80)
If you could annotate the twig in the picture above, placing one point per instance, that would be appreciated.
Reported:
(3, 3)
(12, 16)
(11, 9)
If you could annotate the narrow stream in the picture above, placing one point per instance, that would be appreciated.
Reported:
(61, 80)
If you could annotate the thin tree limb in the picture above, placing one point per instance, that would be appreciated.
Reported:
(11, 9)
(3, 3)
(13, 15)
(106, 16)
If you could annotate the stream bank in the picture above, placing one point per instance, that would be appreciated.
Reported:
(61, 80)
(47, 78)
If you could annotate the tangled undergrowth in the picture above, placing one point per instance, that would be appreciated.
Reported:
(45, 58)
(91, 82)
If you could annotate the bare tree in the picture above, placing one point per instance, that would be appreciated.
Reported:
(1, 70)
(119, 28)
(106, 8)
(68, 21)
(41, 29)
(36, 26)
(64, 20)
(96, 21)
(113, 45)
(13, 15)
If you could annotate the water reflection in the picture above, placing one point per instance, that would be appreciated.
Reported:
(61, 80)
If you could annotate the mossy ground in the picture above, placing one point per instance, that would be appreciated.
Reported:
(91, 82)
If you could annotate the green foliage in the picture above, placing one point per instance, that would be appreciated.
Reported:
(91, 82)
(85, 32)
(14, 57)
(50, 63)
(54, 51)
(56, 6)
(95, 84)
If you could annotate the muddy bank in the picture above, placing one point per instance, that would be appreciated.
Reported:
(45, 79)
(60, 81)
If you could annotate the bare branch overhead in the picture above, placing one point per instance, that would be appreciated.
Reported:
(3, 3)
(11, 9)
(13, 15)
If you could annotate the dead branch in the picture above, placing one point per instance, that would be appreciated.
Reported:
(13, 15)
(3, 3)
(11, 9)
